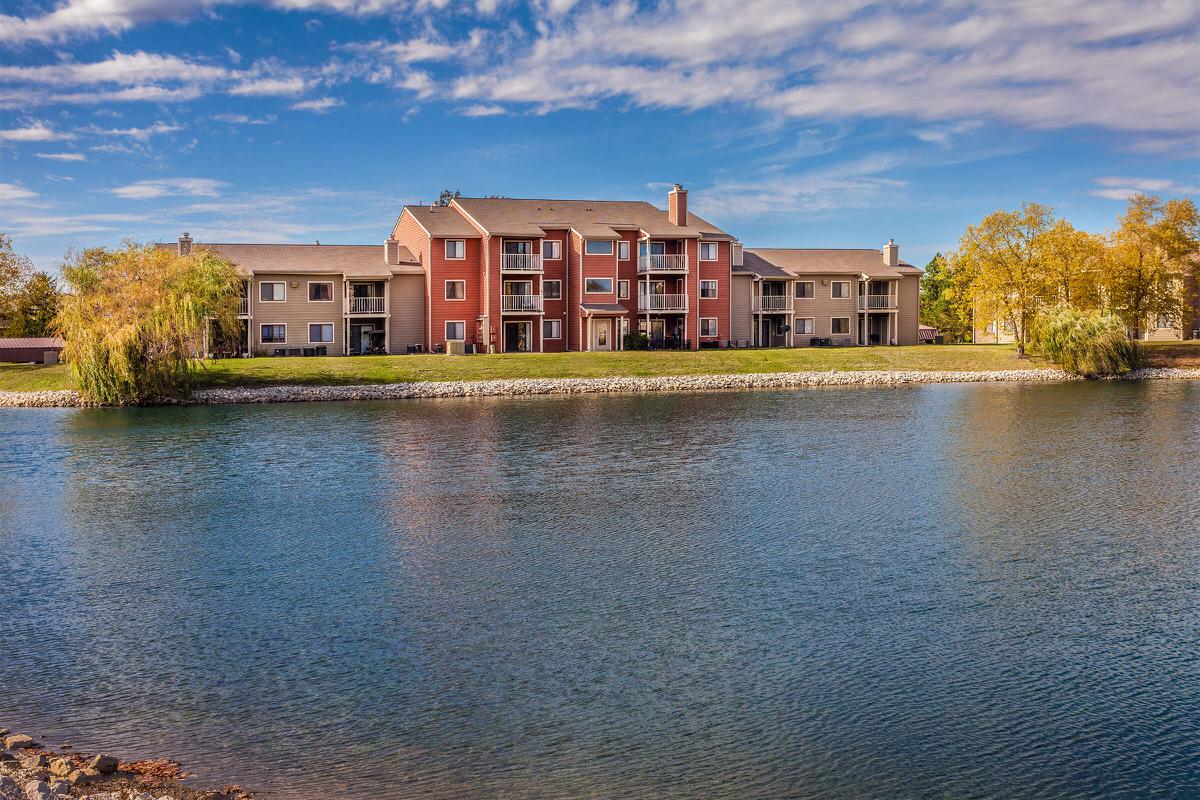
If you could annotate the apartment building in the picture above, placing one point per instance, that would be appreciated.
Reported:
(502, 275)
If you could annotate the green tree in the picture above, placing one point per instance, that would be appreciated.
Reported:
(34, 307)
(1151, 266)
(15, 270)
(943, 305)
(135, 316)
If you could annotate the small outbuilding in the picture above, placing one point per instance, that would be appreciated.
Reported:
(42, 350)
(928, 335)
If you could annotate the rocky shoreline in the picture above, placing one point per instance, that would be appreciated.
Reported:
(29, 770)
(521, 387)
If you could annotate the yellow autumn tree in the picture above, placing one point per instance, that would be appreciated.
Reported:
(134, 316)
(1074, 261)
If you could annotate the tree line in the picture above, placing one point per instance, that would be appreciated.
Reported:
(1016, 267)
(29, 298)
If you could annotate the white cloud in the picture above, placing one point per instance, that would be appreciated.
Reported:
(170, 187)
(33, 131)
(12, 193)
(31, 225)
(138, 134)
(481, 110)
(242, 119)
(1122, 188)
(320, 105)
(270, 87)
(62, 156)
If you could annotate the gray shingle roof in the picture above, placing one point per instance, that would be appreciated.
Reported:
(442, 222)
(597, 218)
(352, 260)
(48, 342)
(771, 262)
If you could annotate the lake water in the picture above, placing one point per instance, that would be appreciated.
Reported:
(941, 591)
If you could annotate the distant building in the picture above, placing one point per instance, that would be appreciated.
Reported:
(39, 350)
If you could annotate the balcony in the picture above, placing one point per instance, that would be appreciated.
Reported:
(773, 304)
(677, 263)
(657, 303)
(875, 301)
(520, 262)
(366, 305)
(521, 303)
(243, 306)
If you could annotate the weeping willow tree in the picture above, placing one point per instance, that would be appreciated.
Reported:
(1085, 342)
(135, 317)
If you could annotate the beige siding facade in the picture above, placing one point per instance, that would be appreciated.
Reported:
(909, 292)
(740, 319)
(823, 308)
(296, 312)
(407, 303)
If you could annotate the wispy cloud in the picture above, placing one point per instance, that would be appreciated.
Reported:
(11, 192)
(243, 119)
(270, 87)
(34, 131)
(138, 134)
(482, 110)
(319, 105)
(170, 187)
(1113, 187)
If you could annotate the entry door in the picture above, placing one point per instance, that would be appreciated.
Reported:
(517, 337)
(517, 248)
(524, 288)
(658, 330)
(601, 334)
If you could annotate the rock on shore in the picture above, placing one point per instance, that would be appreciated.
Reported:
(518, 387)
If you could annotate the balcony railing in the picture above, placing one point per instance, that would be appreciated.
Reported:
(521, 302)
(866, 301)
(772, 303)
(367, 305)
(520, 262)
(650, 303)
(244, 306)
(663, 263)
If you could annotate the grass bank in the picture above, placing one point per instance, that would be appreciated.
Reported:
(339, 371)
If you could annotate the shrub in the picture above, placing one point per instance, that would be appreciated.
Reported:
(135, 316)
(1085, 342)
(635, 340)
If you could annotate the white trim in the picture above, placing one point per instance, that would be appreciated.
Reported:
(608, 291)
(715, 322)
(332, 332)
(813, 325)
(623, 244)
(847, 332)
(716, 251)
(553, 322)
(622, 282)
(558, 243)
(446, 249)
(812, 295)
(273, 325)
(716, 289)
(446, 333)
(330, 300)
(552, 280)
(848, 296)
(445, 292)
(609, 242)
(266, 283)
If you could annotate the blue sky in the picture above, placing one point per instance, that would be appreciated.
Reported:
(791, 123)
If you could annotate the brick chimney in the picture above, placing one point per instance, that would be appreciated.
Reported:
(391, 252)
(891, 253)
(185, 244)
(677, 206)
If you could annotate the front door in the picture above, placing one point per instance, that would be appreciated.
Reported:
(658, 331)
(517, 338)
(601, 334)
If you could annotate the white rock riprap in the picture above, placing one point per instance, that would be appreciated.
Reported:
(521, 387)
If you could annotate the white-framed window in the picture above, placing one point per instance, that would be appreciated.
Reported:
(839, 326)
(622, 290)
(1164, 322)
(708, 326)
(598, 247)
(708, 251)
(708, 290)
(804, 326)
(272, 333)
(991, 327)
(456, 249)
(623, 251)
(320, 291)
(597, 285)
(840, 290)
(551, 290)
(456, 331)
(272, 292)
(320, 333)
(456, 290)
(805, 290)
(552, 329)
(551, 249)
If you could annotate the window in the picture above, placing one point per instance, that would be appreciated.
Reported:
(708, 251)
(708, 289)
(991, 327)
(623, 251)
(551, 290)
(456, 249)
(552, 329)
(598, 247)
(320, 292)
(598, 286)
(839, 326)
(273, 334)
(273, 292)
(804, 326)
(840, 290)
(622, 289)
(551, 249)
(320, 333)
(456, 331)
(456, 290)
(1163, 322)
(708, 326)
(805, 290)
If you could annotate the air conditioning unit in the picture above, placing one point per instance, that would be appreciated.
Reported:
(456, 348)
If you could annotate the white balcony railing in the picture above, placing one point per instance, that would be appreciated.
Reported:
(521, 302)
(773, 303)
(244, 306)
(367, 305)
(520, 262)
(663, 263)
(866, 301)
(649, 303)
